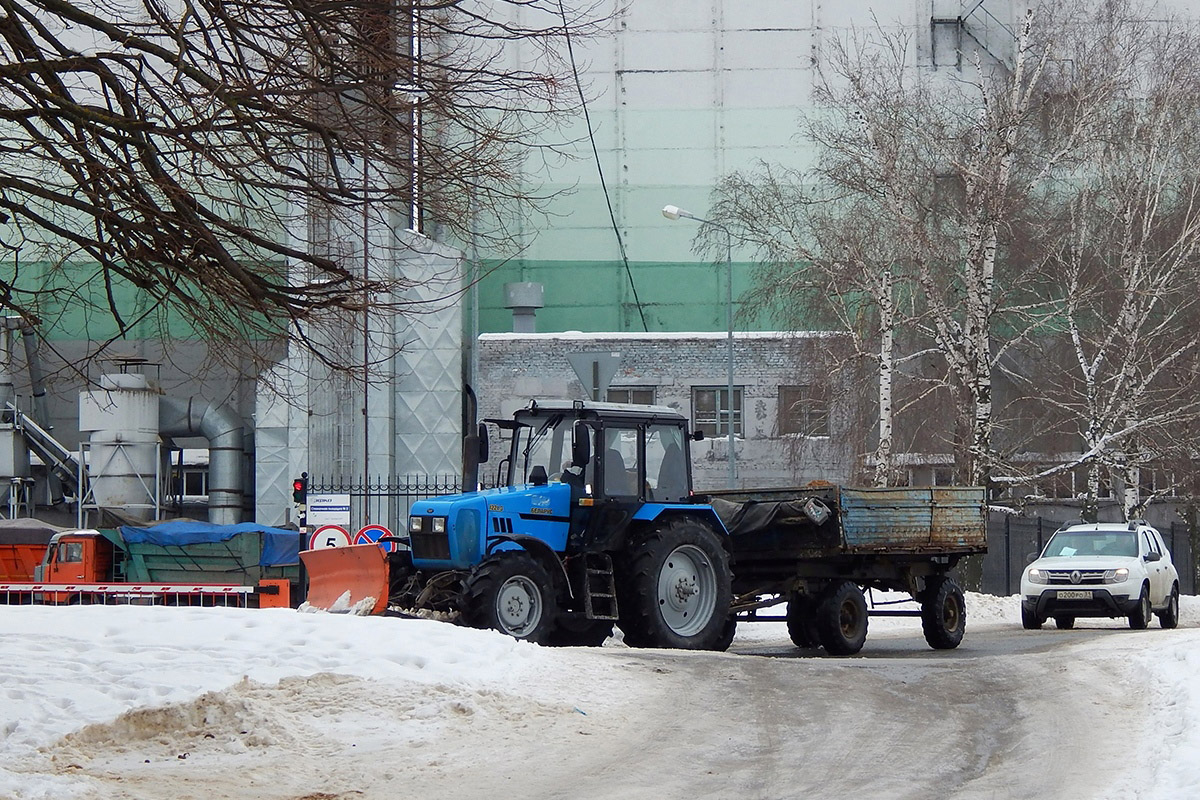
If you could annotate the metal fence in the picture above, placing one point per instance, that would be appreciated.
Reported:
(1012, 541)
(385, 500)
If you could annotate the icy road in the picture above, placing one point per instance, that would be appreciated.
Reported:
(214, 703)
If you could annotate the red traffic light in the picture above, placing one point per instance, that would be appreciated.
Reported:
(300, 489)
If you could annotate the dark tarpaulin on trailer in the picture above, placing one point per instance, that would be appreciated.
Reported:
(280, 547)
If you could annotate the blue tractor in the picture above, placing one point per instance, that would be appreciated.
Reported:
(593, 524)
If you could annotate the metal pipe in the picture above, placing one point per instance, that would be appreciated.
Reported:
(37, 381)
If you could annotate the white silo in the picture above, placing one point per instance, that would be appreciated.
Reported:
(121, 418)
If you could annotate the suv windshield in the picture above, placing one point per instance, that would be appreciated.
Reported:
(1092, 543)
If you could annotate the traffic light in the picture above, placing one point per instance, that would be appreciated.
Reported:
(300, 489)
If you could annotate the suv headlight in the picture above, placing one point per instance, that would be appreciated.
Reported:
(1038, 575)
(1116, 575)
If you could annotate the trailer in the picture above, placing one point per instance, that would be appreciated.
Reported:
(181, 562)
(819, 549)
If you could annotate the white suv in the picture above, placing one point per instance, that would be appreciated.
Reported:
(1106, 569)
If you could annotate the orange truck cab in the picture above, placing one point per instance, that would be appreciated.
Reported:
(84, 556)
(75, 557)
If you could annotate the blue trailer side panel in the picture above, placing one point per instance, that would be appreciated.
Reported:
(912, 520)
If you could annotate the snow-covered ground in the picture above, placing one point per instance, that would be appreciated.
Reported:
(153, 702)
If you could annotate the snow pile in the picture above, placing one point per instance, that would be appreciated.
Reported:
(162, 702)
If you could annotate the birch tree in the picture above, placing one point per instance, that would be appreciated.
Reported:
(927, 165)
(1125, 258)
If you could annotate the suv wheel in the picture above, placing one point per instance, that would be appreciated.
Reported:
(1140, 618)
(1064, 623)
(1169, 616)
(1030, 621)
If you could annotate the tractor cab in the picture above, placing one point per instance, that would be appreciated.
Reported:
(610, 451)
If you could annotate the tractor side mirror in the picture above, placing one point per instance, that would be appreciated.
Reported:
(581, 445)
(483, 443)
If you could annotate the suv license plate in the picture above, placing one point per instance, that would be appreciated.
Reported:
(1073, 595)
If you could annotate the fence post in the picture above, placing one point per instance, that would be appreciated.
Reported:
(1007, 555)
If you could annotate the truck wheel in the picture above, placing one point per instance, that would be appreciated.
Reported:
(511, 593)
(1140, 618)
(801, 620)
(943, 613)
(579, 632)
(842, 619)
(1169, 616)
(1030, 621)
(673, 589)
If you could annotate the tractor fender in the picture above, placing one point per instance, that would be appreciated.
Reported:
(651, 512)
(541, 551)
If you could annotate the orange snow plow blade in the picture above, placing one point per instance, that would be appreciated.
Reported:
(350, 579)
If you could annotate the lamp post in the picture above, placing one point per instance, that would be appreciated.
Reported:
(675, 212)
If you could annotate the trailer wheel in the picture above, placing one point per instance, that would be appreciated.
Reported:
(842, 619)
(943, 613)
(511, 593)
(802, 621)
(673, 589)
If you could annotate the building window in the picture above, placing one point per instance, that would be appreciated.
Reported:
(638, 395)
(190, 482)
(711, 412)
(804, 410)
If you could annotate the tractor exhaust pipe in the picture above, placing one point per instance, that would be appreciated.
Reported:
(470, 449)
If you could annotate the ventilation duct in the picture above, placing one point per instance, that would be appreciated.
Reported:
(223, 429)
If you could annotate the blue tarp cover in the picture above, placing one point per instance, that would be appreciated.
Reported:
(279, 546)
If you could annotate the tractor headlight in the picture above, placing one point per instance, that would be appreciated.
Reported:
(1038, 576)
(439, 524)
(414, 524)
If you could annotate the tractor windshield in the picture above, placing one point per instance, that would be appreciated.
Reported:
(542, 445)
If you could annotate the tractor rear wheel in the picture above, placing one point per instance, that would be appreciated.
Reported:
(512, 593)
(673, 588)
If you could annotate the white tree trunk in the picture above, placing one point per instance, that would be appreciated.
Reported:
(887, 358)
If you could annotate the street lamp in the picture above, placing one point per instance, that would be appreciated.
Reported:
(675, 212)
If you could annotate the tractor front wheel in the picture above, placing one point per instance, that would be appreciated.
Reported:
(512, 593)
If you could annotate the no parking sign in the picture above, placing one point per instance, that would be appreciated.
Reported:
(369, 534)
